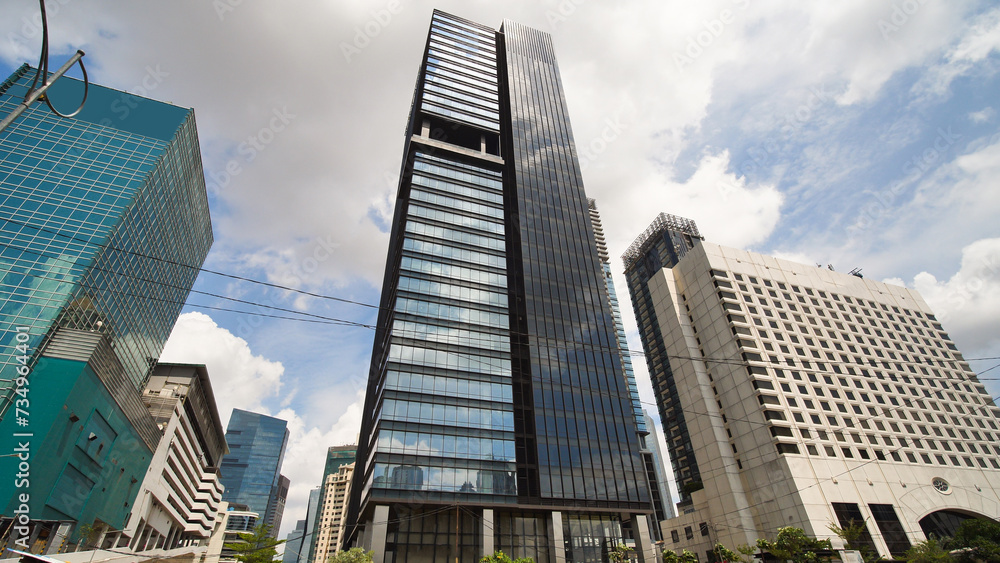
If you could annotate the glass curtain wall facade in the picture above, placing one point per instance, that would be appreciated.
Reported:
(496, 382)
(662, 245)
(251, 472)
(647, 443)
(104, 222)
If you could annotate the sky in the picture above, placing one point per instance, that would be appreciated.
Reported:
(857, 134)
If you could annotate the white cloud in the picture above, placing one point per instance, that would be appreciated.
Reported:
(305, 455)
(968, 303)
(239, 378)
(982, 116)
(980, 40)
(727, 209)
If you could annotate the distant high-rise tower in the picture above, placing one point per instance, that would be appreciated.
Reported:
(813, 397)
(659, 466)
(496, 404)
(104, 224)
(327, 537)
(330, 533)
(251, 472)
(649, 460)
(294, 552)
(662, 245)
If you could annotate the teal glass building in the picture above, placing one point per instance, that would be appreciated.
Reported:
(498, 414)
(104, 223)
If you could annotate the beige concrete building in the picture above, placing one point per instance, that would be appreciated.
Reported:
(812, 397)
(332, 522)
(230, 523)
(179, 499)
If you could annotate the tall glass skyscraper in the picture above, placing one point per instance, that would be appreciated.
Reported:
(104, 223)
(646, 443)
(251, 472)
(497, 415)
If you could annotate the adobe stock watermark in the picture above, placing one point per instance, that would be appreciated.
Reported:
(249, 150)
(224, 7)
(31, 26)
(900, 15)
(696, 44)
(563, 11)
(366, 33)
(614, 126)
(21, 358)
(913, 168)
(121, 106)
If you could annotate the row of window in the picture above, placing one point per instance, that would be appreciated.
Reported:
(439, 445)
(488, 196)
(462, 293)
(473, 50)
(450, 335)
(444, 479)
(457, 204)
(448, 415)
(449, 360)
(454, 235)
(453, 313)
(424, 266)
(448, 386)
(468, 221)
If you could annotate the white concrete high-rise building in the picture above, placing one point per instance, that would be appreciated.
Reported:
(180, 497)
(809, 397)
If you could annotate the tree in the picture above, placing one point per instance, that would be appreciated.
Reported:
(669, 556)
(257, 546)
(856, 537)
(792, 544)
(927, 551)
(501, 557)
(976, 540)
(620, 553)
(88, 535)
(743, 553)
(353, 555)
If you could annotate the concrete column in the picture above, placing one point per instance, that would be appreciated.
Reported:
(643, 543)
(487, 532)
(365, 540)
(558, 542)
(61, 534)
(100, 536)
(482, 143)
(425, 128)
(380, 529)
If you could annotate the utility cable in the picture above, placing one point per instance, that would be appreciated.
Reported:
(729, 361)
(635, 353)
(42, 72)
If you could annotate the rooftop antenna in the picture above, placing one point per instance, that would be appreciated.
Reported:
(37, 91)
